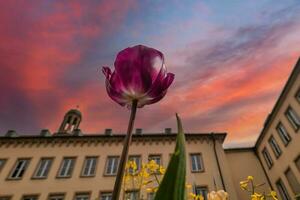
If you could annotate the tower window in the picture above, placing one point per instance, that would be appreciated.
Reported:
(66, 167)
(75, 121)
(19, 169)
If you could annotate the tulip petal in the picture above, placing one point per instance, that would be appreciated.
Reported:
(160, 85)
(138, 68)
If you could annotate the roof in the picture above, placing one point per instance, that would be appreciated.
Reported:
(282, 97)
(220, 136)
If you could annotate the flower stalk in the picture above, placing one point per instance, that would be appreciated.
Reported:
(124, 156)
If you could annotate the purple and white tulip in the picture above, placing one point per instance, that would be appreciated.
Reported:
(140, 74)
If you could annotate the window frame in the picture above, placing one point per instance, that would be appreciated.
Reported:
(295, 162)
(156, 155)
(28, 159)
(6, 197)
(3, 165)
(201, 186)
(294, 189)
(139, 165)
(61, 165)
(132, 191)
(105, 192)
(34, 176)
(270, 165)
(291, 114)
(30, 195)
(297, 95)
(200, 160)
(88, 193)
(285, 191)
(83, 167)
(106, 165)
(282, 137)
(51, 195)
(274, 146)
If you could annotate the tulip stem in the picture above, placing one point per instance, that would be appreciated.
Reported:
(123, 160)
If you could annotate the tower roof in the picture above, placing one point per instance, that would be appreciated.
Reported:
(74, 111)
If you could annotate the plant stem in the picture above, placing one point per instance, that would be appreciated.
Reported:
(123, 160)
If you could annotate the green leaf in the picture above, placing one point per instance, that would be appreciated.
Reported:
(172, 186)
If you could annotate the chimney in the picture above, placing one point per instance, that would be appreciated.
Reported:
(45, 133)
(108, 131)
(77, 132)
(11, 133)
(168, 130)
(138, 131)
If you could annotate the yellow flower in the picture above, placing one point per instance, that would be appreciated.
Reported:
(188, 186)
(152, 166)
(162, 170)
(250, 178)
(273, 195)
(244, 185)
(219, 195)
(257, 196)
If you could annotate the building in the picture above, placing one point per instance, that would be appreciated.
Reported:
(72, 165)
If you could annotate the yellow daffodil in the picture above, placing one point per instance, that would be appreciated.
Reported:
(257, 196)
(162, 170)
(273, 195)
(219, 195)
(250, 178)
(244, 185)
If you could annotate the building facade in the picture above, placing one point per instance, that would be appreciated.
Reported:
(72, 165)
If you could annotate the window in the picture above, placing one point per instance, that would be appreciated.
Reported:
(112, 163)
(293, 182)
(5, 197)
(297, 162)
(56, 197)
(196, 162)
(201, 191)
(2, 163)
(82, 196)
(137, 160)
(267, 157)
(132, 195)
(89, 166)
(275, 147)
(30, 197)
(66, 167)
(19, 169)
(298, 95)
(156, 158)
(284, 135)
(293, 118)
(43, 168)
(150, 196)
(105, 196)
(282, 190)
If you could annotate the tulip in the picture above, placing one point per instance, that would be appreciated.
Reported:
(140, 78)
(219, 195)
(140, 74)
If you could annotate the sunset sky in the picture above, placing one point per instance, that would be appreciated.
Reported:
(230, 60)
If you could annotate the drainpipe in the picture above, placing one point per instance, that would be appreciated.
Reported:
(217, 160)
(265, 172)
